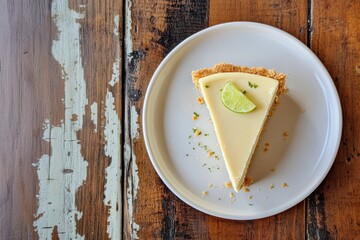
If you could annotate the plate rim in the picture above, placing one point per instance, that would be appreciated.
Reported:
(329, 82)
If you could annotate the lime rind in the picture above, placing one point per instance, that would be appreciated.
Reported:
(234, 100)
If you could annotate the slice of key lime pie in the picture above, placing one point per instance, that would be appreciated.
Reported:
(240, 100)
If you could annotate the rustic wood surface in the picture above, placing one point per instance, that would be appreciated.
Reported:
(73, 76)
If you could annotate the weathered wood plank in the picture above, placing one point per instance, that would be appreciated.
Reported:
(24, 74)
(290, 16)
(334, 208)
(60, 85)
(152, 30)
(100, 197)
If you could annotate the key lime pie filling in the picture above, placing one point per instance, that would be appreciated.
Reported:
(240, 101)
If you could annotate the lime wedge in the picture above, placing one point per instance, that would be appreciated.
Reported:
(235, 100)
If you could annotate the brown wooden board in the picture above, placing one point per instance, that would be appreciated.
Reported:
(32, 89)
(23, 87)
(333, 210)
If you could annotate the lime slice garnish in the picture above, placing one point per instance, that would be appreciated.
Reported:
(235, 100)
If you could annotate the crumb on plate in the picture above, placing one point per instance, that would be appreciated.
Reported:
(200, 100)
(228, 184)
(285, 135)
(266, 147)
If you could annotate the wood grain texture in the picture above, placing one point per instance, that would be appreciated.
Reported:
(101, 41)
(334, 208)
(32, 90)
(24, 74)
(152, 211)
(290, 16)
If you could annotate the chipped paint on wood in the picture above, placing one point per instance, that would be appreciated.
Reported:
(116, 71)
(134, 123)
(116, 25)
(112, 134)
(133, 178)
(128, 26)
(116, 64)
(133, 187)
(129, 154)
(112, 193)
(57, 188)
(94, 115)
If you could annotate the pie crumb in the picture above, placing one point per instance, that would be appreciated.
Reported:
(272, 186)
(266, 147)
(285, 135)
(200, 100)
(285, 185)
(246, 189)
(205, 193)
(232, 195)
(228, 185)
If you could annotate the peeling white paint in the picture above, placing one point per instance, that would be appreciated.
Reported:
(134, 135)
(134, 123)
(130, 157)
(116, 64)
(94, 115)
(128, 26)
(133, 187)
(112, 133)
(112, 193)
(133, 178)
(116, 71)
(116, 25)
(62, 172)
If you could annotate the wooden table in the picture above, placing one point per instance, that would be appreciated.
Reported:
(73, 76)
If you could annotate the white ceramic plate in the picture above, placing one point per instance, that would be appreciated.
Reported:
(310, 113)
